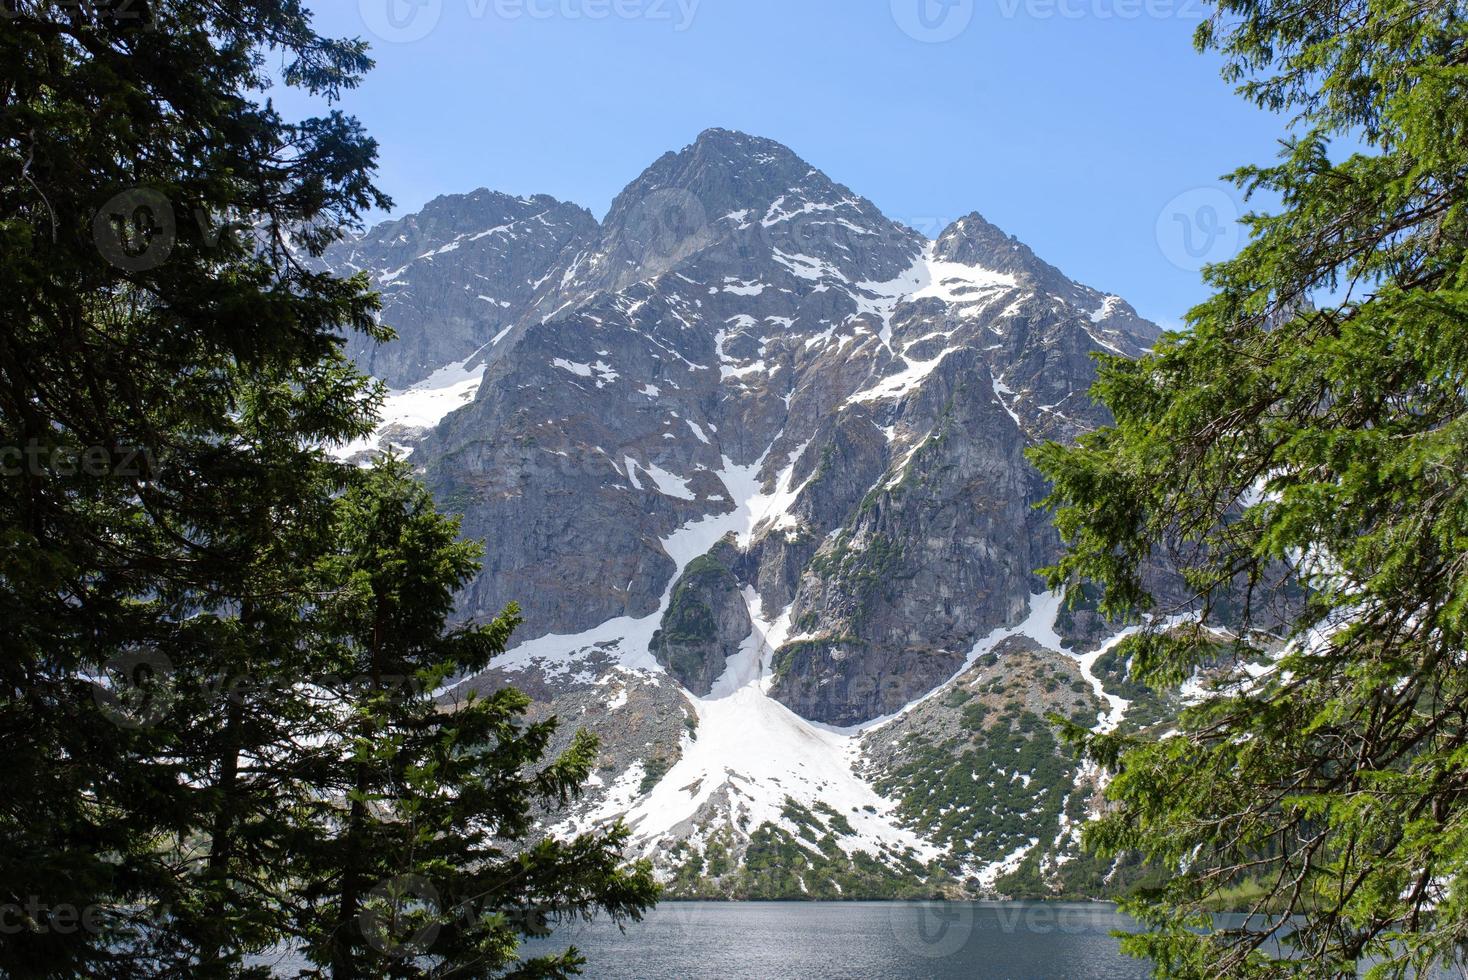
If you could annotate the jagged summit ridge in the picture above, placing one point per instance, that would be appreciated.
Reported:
(456, 274)
(742, 198)
(746, 387)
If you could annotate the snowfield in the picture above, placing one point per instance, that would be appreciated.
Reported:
(423, 405)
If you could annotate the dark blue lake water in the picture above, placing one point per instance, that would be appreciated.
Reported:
(857, 940)
(848, 941)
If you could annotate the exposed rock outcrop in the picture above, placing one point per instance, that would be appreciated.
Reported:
(704, 624)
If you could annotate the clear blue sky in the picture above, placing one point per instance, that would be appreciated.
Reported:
(1073, 124)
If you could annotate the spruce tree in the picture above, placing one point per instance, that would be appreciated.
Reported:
(163, 379)
(417, 860)
(1312, 413)
(171, 373)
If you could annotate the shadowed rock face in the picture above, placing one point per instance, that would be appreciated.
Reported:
(892, 602)
(740, 317)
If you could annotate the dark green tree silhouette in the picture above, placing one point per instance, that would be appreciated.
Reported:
(418, 860)
(1311, 414)
(171, 372)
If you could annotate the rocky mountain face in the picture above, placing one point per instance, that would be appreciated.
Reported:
(457, 273)
(750, 456)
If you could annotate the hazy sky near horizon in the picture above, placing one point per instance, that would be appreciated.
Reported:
(1090, 129)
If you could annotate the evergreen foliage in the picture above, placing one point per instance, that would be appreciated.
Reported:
(183, 602)
(410, 862)
(1311, 415)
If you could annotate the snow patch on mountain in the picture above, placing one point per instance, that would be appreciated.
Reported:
(1108, 306)
(750, 750)
(929, 277)
(758, 753)
(421, 406)
(669, 484)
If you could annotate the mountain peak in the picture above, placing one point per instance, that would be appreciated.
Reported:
(749, 193)
(733, 150)
(974, 240)
(734, 139)
(725, 169)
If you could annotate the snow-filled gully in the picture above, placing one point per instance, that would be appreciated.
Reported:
(752, 752)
